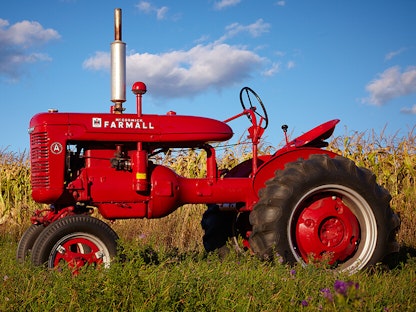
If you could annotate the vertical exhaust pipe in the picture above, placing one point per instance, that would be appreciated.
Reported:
(118, 66)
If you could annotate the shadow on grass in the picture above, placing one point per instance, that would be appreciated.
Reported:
(398, 260)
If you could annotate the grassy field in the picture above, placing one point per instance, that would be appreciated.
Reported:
(169, 280)
(164, 267)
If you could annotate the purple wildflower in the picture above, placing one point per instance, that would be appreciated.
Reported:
(279, 258)
(326, 292)
(356, 285)
(304, 303)
(342, 287)
(293, 273)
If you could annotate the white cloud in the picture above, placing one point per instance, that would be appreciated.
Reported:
(280, 53)
(3, 22)
(101, 60)
(255, 29)
(409, 110)
(32, 58)
(290, 64)
(219, 5)
(390, 84)
(274, 69)
(185, 73)
(161, 13)
(202, 39)
(147, 7)
(393, 54)
(17, 43)
(281, 3)
(27, 34)
(144, 6)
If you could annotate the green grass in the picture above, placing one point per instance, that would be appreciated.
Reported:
(170, 280)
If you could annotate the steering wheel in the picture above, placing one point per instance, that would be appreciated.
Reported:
(263, 114)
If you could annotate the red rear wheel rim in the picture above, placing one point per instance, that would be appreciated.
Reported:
(326, 229)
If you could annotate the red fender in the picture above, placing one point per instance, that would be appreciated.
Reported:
(278, 162)
(316, 136)
(302, 147)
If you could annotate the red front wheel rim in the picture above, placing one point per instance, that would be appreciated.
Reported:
(79, 250)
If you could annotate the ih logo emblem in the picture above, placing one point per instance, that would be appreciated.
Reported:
(96, 122)
(56, 148)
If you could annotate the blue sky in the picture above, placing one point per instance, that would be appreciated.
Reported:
(309, 60)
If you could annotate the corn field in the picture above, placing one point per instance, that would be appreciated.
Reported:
(16, 204)
(392, 159)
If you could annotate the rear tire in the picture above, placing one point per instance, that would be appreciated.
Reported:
(224, 229)
(75, 241)
(324, 208)
(217, 228)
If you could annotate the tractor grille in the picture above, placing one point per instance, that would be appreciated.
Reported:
(39, 160)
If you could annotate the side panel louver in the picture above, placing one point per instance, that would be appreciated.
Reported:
(39, 160)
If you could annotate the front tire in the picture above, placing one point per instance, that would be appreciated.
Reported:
(26, 242)
(324, 209)
(75, 241)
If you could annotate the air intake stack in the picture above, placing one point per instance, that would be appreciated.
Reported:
(118, 66)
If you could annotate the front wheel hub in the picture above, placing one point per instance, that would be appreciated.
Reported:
(78, 252)
(326, 228)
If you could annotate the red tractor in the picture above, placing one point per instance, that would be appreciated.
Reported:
(301, 203)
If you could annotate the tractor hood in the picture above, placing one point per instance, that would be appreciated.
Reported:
(130, 128)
